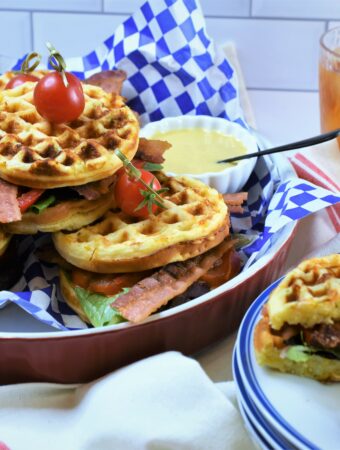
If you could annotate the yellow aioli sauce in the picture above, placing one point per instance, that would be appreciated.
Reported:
(196, 151)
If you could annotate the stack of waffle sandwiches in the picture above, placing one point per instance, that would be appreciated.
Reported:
(60, 178)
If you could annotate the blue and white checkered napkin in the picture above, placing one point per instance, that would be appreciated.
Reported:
(173, 69)
(172, 65)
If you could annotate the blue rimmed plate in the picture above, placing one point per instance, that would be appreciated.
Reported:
(261, 431)
(305, 412)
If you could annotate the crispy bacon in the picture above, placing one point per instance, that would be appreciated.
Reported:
(149, 294)
(109, 80)
(234, 201)
(9, 207)
(92, 191)
(152, 150)
(324, 336)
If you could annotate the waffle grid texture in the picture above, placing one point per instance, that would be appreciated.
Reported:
(39, 154)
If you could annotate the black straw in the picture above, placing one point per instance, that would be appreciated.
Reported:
(283, 148)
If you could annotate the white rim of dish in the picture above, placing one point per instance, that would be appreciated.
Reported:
(208, 123)
(284, 167)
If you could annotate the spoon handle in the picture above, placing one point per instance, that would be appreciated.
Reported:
(283, 148)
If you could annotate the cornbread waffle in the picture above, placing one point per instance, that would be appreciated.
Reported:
(196, 220)
(39, 154)
(269, 353)
(68, 215)
(308, 295)
(4, 241)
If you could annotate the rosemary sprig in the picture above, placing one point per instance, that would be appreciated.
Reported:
(151, 196)
(57, 62)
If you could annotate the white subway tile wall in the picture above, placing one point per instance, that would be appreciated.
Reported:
(333, 24)
(274, 54)
(56, 5)
(302, 9)
(73, 34)
(227, 8)
(15, 33)
(277, 43)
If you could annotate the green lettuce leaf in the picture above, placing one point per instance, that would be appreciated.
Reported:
(98, 307)
(41, 205)
(298, 353)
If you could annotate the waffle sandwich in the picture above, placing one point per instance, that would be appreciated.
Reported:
(38, 155)
(299, 331)
(133, 266)
(195, 221)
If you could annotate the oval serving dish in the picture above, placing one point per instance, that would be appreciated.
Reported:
(232, 178)
(32, 351)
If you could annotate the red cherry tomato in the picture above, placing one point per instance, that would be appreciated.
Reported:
(56, 102)
(128, 193)
(20, 79)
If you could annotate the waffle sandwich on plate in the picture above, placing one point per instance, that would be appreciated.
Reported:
(56, 176)
(299, 331)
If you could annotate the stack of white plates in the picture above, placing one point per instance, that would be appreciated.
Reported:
(282, 411)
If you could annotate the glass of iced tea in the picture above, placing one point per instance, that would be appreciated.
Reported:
(329, 80)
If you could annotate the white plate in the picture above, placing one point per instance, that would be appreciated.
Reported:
(304, 411)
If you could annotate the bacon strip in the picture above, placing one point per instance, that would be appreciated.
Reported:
(235, 199)
(9, 207)
(92, 191)
(109, 80)
(149, 294)
(152, 150)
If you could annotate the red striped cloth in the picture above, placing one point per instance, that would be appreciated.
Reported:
(312, 172)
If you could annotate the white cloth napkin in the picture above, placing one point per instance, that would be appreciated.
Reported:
(162, 402)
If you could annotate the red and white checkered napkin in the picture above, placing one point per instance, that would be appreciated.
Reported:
(321, 166)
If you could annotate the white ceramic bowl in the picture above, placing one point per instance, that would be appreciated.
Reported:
(233, 178)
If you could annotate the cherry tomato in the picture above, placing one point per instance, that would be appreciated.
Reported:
(128, 193)
(56, 102)
(28, 199)
(20, 79)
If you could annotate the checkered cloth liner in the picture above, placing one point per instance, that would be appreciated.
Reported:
(172, 65)
(173, 69)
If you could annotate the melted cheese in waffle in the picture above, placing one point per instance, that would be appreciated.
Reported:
(196, 220)
(4, 241)
(39, 154)
(308, 295)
